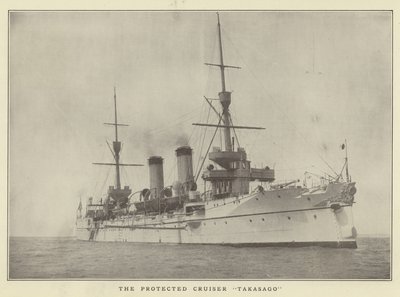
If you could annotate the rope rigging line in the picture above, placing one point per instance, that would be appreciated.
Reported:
(125, 175)
(276, 104)
(234, 132)
(201, 139)
(195, 143)
(341, 171)
(216, 130)
(105, 180)
(220, 138)
(194, 130)
(208, 84)
(177, 121)
(98, 173)
(202, 142)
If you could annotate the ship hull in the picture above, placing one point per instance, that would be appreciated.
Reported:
(275, 218)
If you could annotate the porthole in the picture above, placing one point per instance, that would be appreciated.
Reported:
(204, 224)
(279, 196)
(315, 216)
(263, 219)
(226, 223)
(308, 198)
(251, 221)
(256, 198)
(215, 223)
(288, 218)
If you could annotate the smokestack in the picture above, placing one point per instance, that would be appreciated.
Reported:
(185, 166)
(156, 173)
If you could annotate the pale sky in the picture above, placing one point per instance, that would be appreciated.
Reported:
(312, 79)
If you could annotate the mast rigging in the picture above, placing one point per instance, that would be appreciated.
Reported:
(224, 98)
(116, 148)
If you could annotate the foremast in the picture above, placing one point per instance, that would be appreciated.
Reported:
(116, 144)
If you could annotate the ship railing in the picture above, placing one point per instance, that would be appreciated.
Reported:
(207, 195)
(265, 174)
(195, 212)
(221, 195)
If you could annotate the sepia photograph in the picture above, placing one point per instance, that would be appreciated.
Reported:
(200, 145)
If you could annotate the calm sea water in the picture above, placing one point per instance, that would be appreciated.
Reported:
(66, 258)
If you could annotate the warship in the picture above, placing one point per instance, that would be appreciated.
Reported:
(227, 211)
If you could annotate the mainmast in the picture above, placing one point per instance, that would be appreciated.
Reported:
(116, 144)
(116, 149)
